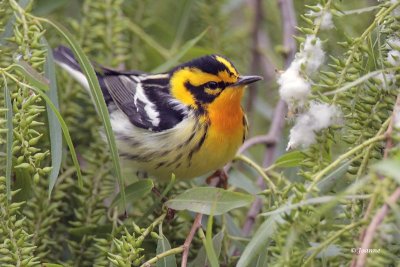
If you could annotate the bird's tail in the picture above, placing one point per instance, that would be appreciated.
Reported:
(65, 59)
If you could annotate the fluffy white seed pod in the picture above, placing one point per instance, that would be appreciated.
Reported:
(318, 117)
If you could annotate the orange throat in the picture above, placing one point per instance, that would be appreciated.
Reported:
(226, 114)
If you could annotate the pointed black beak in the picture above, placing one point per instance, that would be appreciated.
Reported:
(245, 80)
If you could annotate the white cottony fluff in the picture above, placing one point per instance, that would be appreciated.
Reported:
(396, 11)
(294, 88)
(312, 55)
(394, 43)
(387, 80)
(318, 117)
(393, 58)
(324, 19)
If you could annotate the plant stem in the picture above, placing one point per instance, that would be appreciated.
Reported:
(260, 171)
(330, 240)
(373, 226)
(189, 238)
(158, 257)
(342, 157)
(151, 227)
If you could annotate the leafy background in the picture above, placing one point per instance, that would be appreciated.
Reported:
(59, 200)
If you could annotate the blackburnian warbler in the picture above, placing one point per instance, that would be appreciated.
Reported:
(187, 121)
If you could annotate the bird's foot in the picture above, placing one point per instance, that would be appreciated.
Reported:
(218, 179)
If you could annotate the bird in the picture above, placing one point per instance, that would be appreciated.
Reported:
(187, 121)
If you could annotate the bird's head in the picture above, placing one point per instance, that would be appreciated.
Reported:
(204, 80)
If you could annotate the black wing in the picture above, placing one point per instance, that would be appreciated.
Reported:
(144, 98)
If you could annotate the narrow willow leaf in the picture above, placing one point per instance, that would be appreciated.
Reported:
(54, 127)
(209, 246)
(311, 201)
(162, 246)
(34, 78)
(261, 260)
(206, 200)
(98, 98)
(331, 179)
(148, 39)
(389, 167)
(291, 159)
(10, 138)
(182, 51)
(134, 191)
(201, 258)
(183, 23)
(259, 241)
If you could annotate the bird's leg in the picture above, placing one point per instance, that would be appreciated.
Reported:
(218, 179)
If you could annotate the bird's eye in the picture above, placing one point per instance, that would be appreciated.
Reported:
(212, 85)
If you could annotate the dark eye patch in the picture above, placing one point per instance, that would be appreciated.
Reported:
(212, 85)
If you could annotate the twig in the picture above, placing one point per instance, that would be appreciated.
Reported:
(189, 238)
(389, 141)
(289, 29)
(260, 171)
(373, 226)
(265, 139)
(289, 24)
(255, 49)
(158, 257)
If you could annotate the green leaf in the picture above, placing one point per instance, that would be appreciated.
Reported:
(312, 201)
(207, 200)
(182, 51)
(201, 258)
(208, 244)
(10, 137)
(331, 179)
(291, 159)
(134, 191)
(162, 246)
(148, 39)
(259, 241)
(54, 127)
(34, 77)
(98, 98)
(388, 167)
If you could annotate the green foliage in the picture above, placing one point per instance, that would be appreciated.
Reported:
(318, 199)
(16, 248)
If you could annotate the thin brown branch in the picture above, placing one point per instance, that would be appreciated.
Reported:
(256, 5)
(189, 238)
(289, 29)
(265, 139)
(389, 141)
(373, 226)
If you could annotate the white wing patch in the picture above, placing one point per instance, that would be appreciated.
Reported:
(149, 107)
